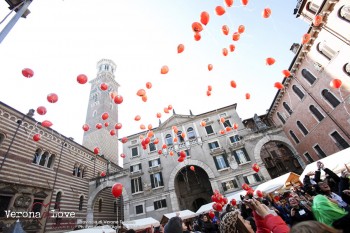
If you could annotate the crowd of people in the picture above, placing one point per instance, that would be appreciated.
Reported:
(316, 206)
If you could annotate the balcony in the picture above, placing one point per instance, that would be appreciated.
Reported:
(155, 169)
(237, 144)
(216, 151)
(136, 173)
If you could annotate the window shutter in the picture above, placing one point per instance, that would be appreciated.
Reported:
(152, 181)
(132, 186)
(246, 154)
(224, 186)
(155, 205)
(225, 159)
(140, 166)
(140, 183)
(257, 177)
(236, 157)
(235, 183)
(163, 203)
(216, 163)
(210, 146)
(150, 163)
(158, 160)
(131, 168)
(161, 179)
(246, 180)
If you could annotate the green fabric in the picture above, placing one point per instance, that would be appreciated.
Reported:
(326, 211)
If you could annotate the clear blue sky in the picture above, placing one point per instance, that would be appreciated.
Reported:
(63, 38)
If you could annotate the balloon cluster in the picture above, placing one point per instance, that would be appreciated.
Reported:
(219, 201)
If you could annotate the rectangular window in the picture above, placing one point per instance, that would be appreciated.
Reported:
(4, 204)
(234, 138)
(136, 168)
(220, 162)
(154, 162)
(139, 209)
(251, 179)
(229, 185)
(209, 130)
(319, 151)
(340, 141)
(308, 157)
(241, 156)
(152, 147)
(134, 151)
(157, 180)
(160, 204)
(37, 207)
(213, 145)
(136, 185)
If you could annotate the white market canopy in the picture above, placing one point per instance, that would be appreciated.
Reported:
(205, 208)
(140, 224)
(334, 162)
(184, 214)
(99, 229)
(278, 182)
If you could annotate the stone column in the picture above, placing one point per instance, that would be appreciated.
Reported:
(174, 201)
(89, 218)
(214, 185)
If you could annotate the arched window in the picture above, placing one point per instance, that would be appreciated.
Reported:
(94, 113)
(190, 133)
(37, 156)
(298, 92)
(346, 68)
(50, 161)
(43, 158)
(281, 118)
(179, 136)
(78, 171)
(312, 7)
(58, 200)
(294, 136)
(286, 106)
(331, 99)
(83, 172)
(316, 113)
(326, 50)
(344, 12)
(302, 128)
(168, 139)
(81, 201)
(308, 76)
(2, 138)
(100, 205)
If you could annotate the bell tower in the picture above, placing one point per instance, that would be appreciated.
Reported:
(101, 102)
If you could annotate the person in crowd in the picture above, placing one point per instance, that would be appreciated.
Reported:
(298, 212)
(282, 212)
(266, 220)
(326, 190)
(174, 225)
(313, 227)
(331, 178)
(329, 213)
(233, 222)
(207, 225)
(344, 184)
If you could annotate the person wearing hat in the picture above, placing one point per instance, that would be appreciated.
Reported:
(174, 225)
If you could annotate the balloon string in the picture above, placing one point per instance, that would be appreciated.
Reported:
(210, 34)
(35, 127)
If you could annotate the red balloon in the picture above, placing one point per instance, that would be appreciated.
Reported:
(124, 139)
(103, 174)
(286, 73)
(160, 152)
(105, 116)
(211, 214)
(210, 88)
(117, 190)
(204, 17)
(241, 29)
(244, 2)
(229, 3)
(28, 73)
(141, 92)
(210, 67)
(46, 124)
(183, 154)
(106, 124)
(233, 202)
(306, 38)
(148, 85)
(245, 187)
(232, 47)
(82, 78)
(52, 98)
(156, 141)
(318, 20)
(98, 125)
(224, 51)
(233, 84)
(118, 126)
(118, 99)
(180, 48)
(225, 200)
(164, 70)
(96, 150)
(278, 85)
(181, 159)
(197, 36)
(41, 110)
(276, 198)
(217, 206)
(36, 137)
(192, 168)
(266, 13)
(208, 93)
(270, 61)
(164, 146)
(159, 115)
(166, 110)
(112, 132)
(225, 29)
(336, 83)
(137, 118)
(86, 127)
(259, 193)
(170, 107)
(255, 167)
(247, 96)
(103, 86)
(235, 126)
(123, 155)
(236, 36)
(220, 10)
(197, 27)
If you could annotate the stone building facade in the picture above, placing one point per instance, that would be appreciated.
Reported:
(313, 114)
(47, 176)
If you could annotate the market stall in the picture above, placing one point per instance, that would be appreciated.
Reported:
(284, 181)
(140, 224)
(184, 214)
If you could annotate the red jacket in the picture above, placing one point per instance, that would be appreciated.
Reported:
(270, 223)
